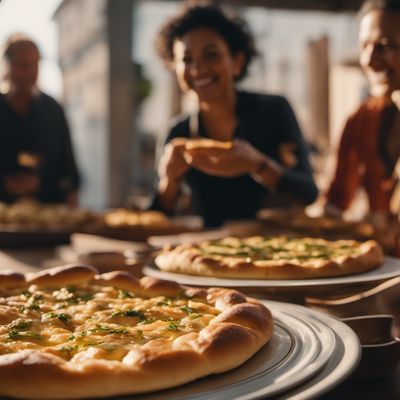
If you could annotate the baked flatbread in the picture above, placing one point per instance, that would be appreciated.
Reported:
(272, 258)
(68, 333)
(205, 143)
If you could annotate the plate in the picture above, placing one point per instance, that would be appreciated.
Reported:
(343, 362)
(389, 269)
(309, 353)
(298, 222)
(139, 233)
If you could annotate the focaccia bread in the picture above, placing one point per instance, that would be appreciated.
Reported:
(278, 257)
(127, 218)
(206, 143)
(31, 214)
(69, 333)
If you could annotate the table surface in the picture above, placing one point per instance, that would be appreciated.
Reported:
(388, 388)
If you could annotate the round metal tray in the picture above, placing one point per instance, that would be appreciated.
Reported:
(389, 269)
(308, 354)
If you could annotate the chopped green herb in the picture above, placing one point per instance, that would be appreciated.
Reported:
(163, 303)
(106, 329)
(15, 328)
(125, 294)
(20, 324)
(33, 302)
(68, 349)
(74, 298)
(65, 318)
(23, 335)
(187, 309)
(129, 313)
(172, 326)
(85, 296)
(33, 306)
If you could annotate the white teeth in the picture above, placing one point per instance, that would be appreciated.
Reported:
(202, 82)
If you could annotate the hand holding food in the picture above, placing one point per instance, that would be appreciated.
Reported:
(172, 165)
(225, 159)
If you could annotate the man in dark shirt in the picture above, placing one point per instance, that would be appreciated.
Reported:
(36, 157)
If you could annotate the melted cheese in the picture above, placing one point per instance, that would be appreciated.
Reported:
(258, 248)
(79, 323)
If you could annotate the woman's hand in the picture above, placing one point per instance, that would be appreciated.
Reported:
(239, 159)
(171, 169)
(172, 165)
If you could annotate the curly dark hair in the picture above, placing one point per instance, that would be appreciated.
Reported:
(392, 6)
(233, 29)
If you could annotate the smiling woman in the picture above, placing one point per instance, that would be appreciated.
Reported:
(210, 51)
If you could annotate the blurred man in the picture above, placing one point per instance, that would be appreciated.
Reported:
(36, 157)
(370, 144)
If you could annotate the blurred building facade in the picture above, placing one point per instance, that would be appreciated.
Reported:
(303, 56)
(95, 41)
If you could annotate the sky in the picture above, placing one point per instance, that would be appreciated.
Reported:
(34, 18)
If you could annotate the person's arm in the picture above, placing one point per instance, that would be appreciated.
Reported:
(347, 175)
(267, 172)
(295, 173)
(171, 170)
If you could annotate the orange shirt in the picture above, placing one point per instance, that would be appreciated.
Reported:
(359, 162)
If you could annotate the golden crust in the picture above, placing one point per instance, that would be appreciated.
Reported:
(157, 364)
(205, 143)
(190, 259)
(73, 274)
(12, 279)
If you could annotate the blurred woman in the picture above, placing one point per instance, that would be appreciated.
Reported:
(36, 158)
(257, 148)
